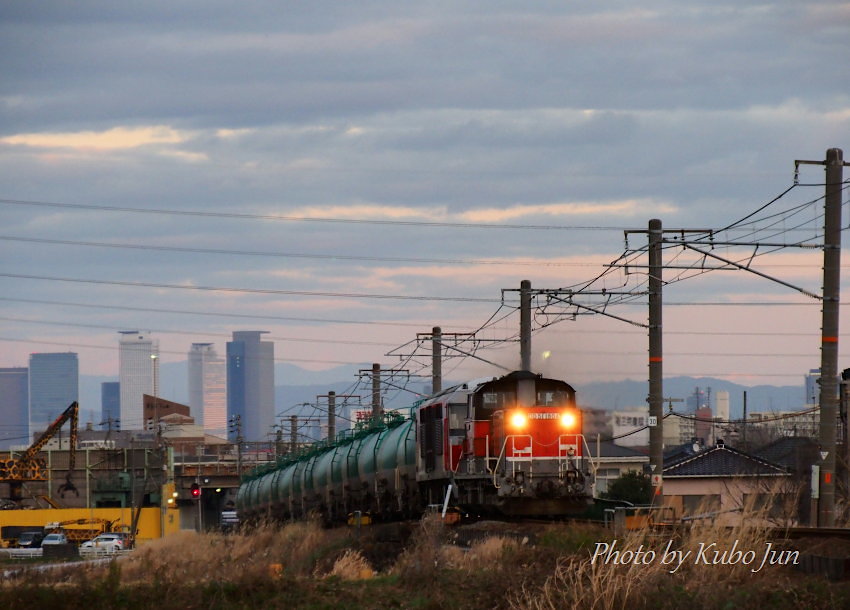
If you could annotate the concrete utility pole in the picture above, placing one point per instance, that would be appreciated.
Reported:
(293, 434)
(656, 370)
(436, 360)
(331, 416)
(525, 325)
(332, 396)
(377, 407)
(834, 165)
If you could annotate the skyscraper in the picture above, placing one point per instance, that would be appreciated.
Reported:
(54, 383)
(138, 371)
(207, 393)
(250, 383)
(813, 387)
(110, 403)
(14, 407)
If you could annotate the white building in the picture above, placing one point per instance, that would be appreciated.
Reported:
(208, 388)
(786, 423)
(138, 374)
(721, 406)
(629, 427)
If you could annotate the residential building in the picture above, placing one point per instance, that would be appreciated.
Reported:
(720, 482)
(54, 383)
(138, 371)
(250, 384)
(14, 406)
(207, 388)
(611, 461)
(678, 430)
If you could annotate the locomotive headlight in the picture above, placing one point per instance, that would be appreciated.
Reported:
(568, 420)
(518, 420)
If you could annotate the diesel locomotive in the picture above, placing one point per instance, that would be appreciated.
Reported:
(511, 445)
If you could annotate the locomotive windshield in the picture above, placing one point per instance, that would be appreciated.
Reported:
(502, 394)
(505, 399)
(553, 398)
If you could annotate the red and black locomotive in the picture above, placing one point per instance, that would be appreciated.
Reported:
(511, 445)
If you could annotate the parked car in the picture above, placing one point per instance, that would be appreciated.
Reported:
(30, 540)
(106, 542)
(56, 538)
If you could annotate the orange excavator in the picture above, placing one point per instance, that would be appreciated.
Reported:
(29, 467)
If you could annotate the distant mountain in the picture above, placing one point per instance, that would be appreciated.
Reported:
(623, 394)
(295, 385)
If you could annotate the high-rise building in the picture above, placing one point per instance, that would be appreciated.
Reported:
(110, 404)
(250, 383)
(207, 389)
(14, 407)
(813, 387)
(54, 383)
(721, 402)
(138, 371)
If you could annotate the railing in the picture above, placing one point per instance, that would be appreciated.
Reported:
(22, 553)
(103, 552)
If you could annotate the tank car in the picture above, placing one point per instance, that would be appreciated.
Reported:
(511, 445)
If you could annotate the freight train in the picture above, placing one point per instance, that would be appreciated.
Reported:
(511, 446)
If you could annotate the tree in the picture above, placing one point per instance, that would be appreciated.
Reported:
(634, 487)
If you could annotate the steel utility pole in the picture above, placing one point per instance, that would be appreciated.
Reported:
(834, 165)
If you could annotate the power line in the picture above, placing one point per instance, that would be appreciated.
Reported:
(409, 223)
(214, 314)
(172, 352)
(303, 293)
(198, 333)
(342, 257)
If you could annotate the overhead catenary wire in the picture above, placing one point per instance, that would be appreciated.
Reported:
(300, 255)
(267, 291)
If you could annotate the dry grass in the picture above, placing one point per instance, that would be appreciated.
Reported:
(352, 566)
(714, 560)
(189, 557)
(302, 565)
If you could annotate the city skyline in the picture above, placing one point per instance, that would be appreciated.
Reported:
(138, 369)
(250, 385)
(54, 383)
(207, 386)
(350, 179)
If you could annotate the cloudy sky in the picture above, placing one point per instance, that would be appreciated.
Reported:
(346, 175)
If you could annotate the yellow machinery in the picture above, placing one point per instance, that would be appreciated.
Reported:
(78, 535)
(29, 467)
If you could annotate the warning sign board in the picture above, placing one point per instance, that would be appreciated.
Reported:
(656, 480)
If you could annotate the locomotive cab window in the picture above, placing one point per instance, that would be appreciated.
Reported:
(553, 398)
(498, 400)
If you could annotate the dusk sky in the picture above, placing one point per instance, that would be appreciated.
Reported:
(345, 175)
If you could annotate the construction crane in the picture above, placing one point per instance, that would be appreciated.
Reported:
(29, 467)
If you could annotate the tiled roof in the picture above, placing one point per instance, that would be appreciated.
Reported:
(792, 452)
(721, 462)
(609, 449)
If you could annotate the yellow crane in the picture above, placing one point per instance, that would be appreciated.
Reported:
(29, 467)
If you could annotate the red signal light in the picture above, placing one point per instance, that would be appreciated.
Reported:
(196, 491)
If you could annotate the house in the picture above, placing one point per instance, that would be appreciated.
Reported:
(719, 482)
(611, 461)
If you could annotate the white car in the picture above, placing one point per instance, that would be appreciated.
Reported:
(54, 539)
(105, 542)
